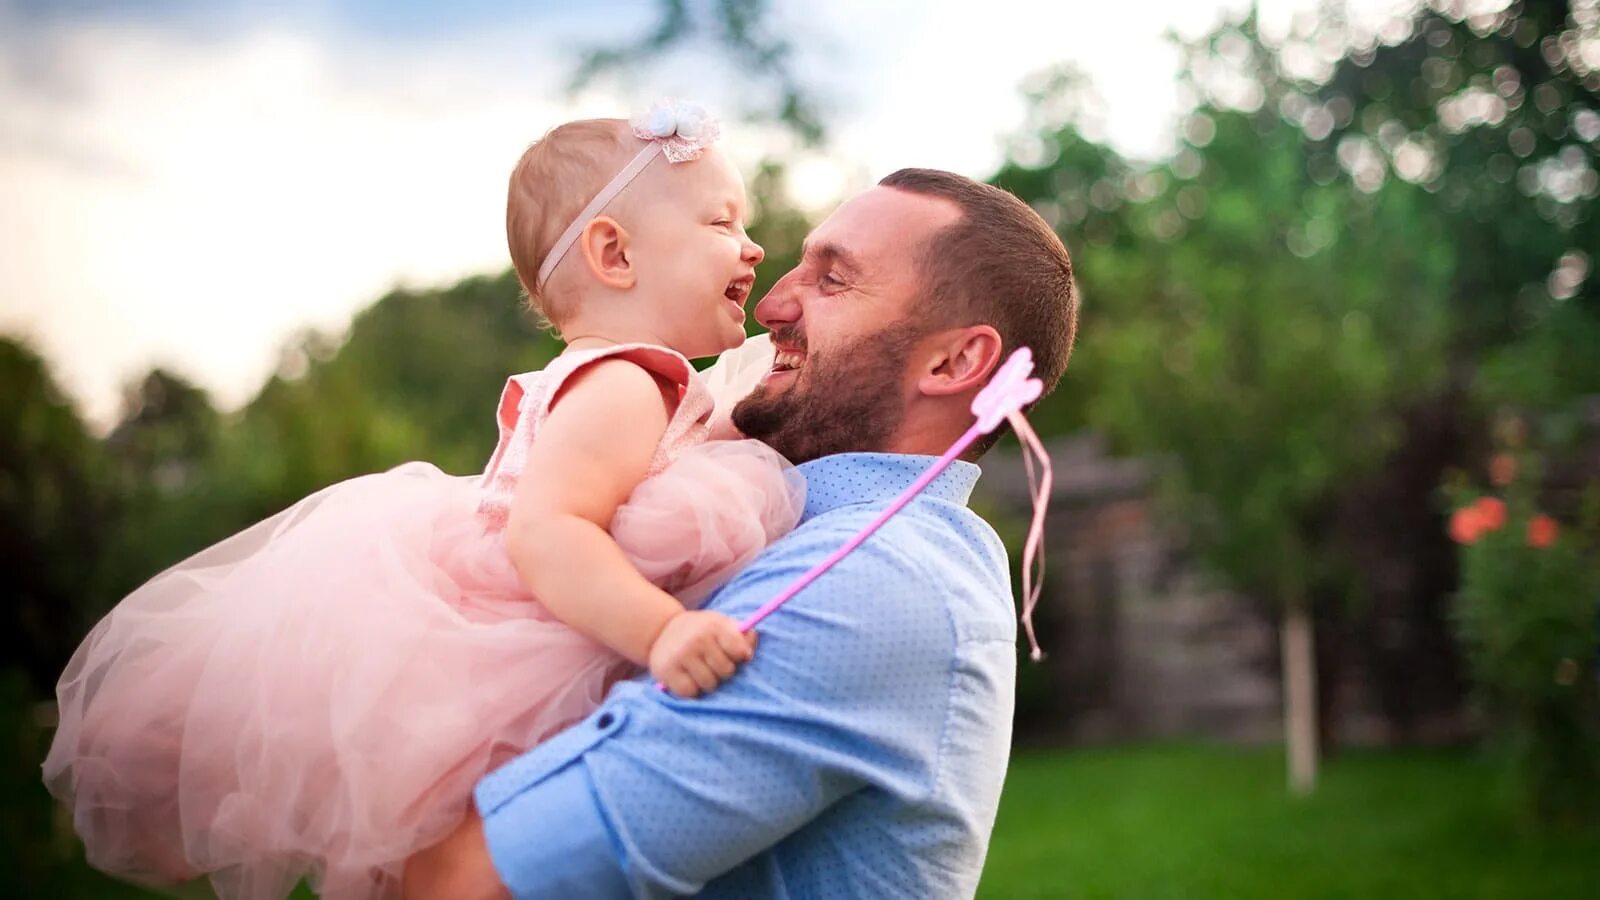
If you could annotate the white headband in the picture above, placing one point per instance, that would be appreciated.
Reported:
(679, 131)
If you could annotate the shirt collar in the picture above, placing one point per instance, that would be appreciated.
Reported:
(877, 478)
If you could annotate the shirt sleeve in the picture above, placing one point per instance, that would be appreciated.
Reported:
(654, 795)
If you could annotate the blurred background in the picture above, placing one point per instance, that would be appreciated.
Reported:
(1323, 597)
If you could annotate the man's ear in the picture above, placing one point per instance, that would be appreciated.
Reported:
(606, 251)
(960, 361)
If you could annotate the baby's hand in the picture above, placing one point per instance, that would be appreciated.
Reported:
(697, 650)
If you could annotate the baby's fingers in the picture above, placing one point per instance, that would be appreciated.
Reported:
(740, 648)
(681, 685)
(702, 674)
(720, 663)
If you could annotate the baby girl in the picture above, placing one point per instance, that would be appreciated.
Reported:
(315, 696)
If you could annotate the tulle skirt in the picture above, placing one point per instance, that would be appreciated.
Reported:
(316, 696)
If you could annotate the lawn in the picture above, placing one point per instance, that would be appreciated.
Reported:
(1190, 821)
(1162, 822)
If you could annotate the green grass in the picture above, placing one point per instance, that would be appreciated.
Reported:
(1167, 822)
(1156, 822)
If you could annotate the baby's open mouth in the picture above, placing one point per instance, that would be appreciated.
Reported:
(739, 289)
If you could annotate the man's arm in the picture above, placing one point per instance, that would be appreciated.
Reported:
(653, 795)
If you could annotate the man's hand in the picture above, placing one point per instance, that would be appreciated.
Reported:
(456, 868)
(697, 650)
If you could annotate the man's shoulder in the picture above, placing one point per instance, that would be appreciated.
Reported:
(924, 540)
(931, 561)
(925, 517)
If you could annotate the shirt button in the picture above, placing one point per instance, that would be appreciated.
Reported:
(604, 721)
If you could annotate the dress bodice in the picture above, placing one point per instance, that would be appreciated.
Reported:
(525, 404)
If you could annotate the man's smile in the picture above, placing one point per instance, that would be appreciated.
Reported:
(785, 363)
(787, 360)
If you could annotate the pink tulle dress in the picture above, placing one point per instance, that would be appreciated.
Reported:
(316, 696)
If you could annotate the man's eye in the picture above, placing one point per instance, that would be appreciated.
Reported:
(830, 281)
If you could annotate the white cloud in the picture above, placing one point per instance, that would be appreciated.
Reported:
(195, 204)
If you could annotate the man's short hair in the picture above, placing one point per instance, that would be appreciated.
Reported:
(999, 264)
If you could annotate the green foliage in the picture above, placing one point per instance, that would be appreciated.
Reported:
(1497, 115)
(1242, 320)
(1544, 371)
(1526, 614)
(39, 856)
(1358, 231)
(161, 448)
(1340, 241)
(54, 507)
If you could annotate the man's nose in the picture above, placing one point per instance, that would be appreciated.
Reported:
(780, 306)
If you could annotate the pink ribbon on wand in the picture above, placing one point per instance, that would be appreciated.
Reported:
(1011, 388)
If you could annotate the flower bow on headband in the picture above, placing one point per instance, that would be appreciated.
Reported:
(672, 128)
(684, 130)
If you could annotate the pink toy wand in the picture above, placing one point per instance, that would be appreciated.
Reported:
(1002, 399)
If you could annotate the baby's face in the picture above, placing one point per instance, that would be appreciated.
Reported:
(696, 264)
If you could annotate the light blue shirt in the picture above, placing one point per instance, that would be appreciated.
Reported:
(860, 754)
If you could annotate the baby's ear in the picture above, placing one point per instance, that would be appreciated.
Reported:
(606, 251)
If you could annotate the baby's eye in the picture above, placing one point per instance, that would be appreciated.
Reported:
(723, 223)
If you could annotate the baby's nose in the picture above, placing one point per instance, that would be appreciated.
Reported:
(753, 253)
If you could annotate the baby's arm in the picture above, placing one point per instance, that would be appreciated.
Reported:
(592, 450)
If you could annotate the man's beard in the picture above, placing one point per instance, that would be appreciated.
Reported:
(845, 401)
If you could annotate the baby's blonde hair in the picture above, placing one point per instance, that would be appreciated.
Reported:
(552, 182)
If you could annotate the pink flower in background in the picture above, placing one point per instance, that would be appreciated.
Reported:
(1542, 531)
(1491, 512)
(1466, 525)
(1471, 522)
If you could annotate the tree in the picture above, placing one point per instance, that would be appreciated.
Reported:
(55, 512)
(741, 29)
(1242, 322)
(1362, 228)
(1497, 115)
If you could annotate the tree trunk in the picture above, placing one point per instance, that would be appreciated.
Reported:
(1300, 698)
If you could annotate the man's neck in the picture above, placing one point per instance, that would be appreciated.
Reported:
(925, 436)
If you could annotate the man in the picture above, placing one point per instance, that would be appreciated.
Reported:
(861, 753)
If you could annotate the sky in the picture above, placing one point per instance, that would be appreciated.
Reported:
(191, 184)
